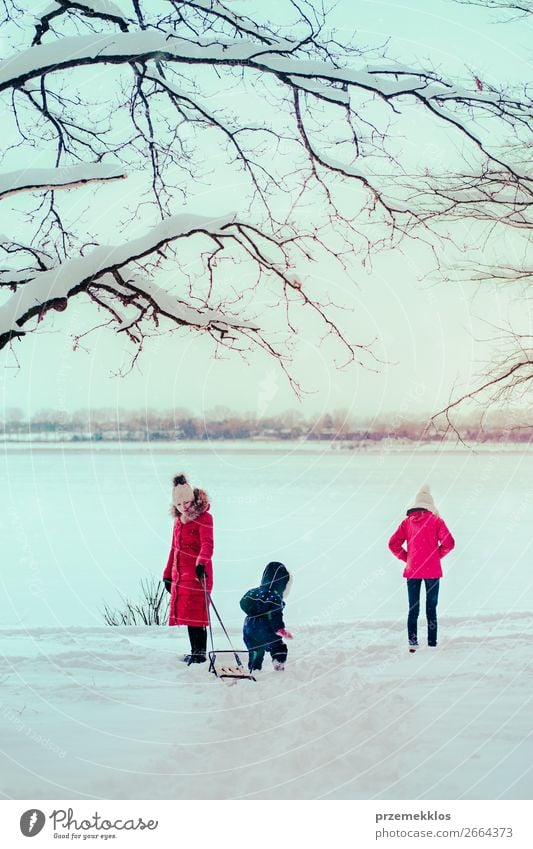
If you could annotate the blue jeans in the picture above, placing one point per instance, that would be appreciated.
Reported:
(432, 597)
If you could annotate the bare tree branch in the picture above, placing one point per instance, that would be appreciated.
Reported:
(192, 100)
(518, 8)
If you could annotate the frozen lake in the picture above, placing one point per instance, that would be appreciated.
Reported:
(81, 525)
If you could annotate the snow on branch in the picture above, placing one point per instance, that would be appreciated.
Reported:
(52, 288)
(103, 9)
(99, 7)
(323, 80)
(96, 7)
(318, 141)
(120, 48)
(388, 82)
(63, 177)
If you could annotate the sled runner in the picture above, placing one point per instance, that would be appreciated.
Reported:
(230, 665)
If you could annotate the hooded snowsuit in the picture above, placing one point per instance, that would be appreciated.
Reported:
(264, 606)
(192, 543)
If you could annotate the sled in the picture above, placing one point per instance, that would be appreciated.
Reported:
(230, 666)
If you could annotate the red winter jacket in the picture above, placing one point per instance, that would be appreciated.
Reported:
(428, 540)
(192, 543)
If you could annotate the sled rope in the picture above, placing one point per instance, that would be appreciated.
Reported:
(209, 601)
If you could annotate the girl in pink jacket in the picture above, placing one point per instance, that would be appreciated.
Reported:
(428, 540)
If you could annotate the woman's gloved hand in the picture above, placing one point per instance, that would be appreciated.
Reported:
(168, 584)
(200, 572)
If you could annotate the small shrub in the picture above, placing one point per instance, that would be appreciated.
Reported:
(151, 609)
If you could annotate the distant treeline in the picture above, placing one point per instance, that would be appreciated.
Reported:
(221, 423)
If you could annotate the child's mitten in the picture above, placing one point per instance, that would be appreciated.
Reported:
(284, 633)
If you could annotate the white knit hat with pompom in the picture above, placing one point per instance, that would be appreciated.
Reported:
(181, 491)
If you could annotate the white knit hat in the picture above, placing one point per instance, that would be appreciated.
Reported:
(424, 499)
(182, 491)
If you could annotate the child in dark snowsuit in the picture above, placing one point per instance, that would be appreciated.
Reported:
(264, 627)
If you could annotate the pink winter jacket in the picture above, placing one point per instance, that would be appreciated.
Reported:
(428, 540)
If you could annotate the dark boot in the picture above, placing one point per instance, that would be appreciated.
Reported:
(197, 657)
(198, 640)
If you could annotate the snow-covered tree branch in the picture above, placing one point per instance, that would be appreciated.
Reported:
(253, 146)
(68, 177)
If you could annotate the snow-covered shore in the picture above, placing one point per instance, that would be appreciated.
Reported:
(112, 713)
(57, 443)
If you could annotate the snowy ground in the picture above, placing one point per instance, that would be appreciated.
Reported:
(110, 713)
(88, 711)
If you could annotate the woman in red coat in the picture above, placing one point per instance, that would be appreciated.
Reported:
(189, 564)
(428, 540)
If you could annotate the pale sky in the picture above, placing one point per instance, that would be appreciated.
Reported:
(431, 335)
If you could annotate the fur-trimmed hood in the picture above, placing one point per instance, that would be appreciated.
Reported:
(199, 506)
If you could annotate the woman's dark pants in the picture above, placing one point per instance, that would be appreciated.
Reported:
(198, 639)
(432, 597)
